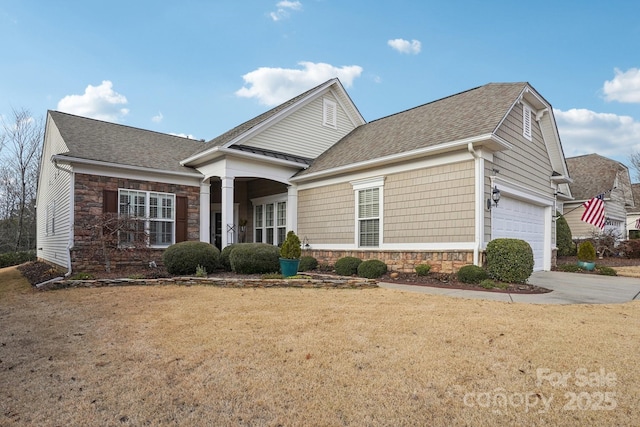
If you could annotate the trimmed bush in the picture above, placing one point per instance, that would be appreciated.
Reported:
(291, 246)
(371, 269)
(565, 244)
(307, 263)
(606, 271)
(472, 274)
(8, 259)
(586, 251)
(347, 266)
(255, 258)
(224, 256)
(423, 269)
(185, 257)
(509, 260)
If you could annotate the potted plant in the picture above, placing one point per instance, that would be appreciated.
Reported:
(586, 255)
(290, 255)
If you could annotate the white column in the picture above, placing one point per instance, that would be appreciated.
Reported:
(227, 211)
(205, 211)
(292, 208)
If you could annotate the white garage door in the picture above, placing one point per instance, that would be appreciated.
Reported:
(515, 219)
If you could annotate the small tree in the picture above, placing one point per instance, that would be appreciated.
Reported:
(564, 242)
(291, 247)
(586, 252)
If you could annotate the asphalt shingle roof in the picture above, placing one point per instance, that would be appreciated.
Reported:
(471, 113)
(592, 174)
(114, 143)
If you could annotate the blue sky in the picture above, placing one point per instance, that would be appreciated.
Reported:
(199, 68)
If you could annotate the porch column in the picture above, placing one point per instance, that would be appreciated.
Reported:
(227, 211)
(292, 208)
(205, 211)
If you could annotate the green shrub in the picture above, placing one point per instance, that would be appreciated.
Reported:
(291, 247)
(201, 271)
(371, 269)
(255, 258)
(606, 271)
(184, 257)
(8, 259)
(347, 266)
(488, 284)
(509, 260)
(307, 263)
(568, 268)
(586, 251)
(224, 256)
(471, 274)
(423, 269)
(565, 244)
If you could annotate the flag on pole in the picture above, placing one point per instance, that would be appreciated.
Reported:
(594, 211)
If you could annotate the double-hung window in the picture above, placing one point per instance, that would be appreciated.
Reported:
(146, 215)
(270, 219)
(369, 195)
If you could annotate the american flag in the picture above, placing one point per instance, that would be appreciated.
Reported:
(594, 211)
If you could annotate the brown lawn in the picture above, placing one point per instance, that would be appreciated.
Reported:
(194, 356)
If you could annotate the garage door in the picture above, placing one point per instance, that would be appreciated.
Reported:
(515, 219)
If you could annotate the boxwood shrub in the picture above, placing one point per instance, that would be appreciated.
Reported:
(509, 260)
(8, 259)
(307, 263)
(224, 256)
(472, 274)
(371, 269)
(255, 258)
(347, 266)
(185, 257)
(423, 269)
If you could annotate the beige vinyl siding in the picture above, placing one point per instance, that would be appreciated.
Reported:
(54, 186)
(528, 162)
(302, 133)
(327, 214)
(615, 205)
(430, 205)
(573, 213)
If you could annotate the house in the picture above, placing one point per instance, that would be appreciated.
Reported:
(414, 187)
(593, 175)
(633, 214)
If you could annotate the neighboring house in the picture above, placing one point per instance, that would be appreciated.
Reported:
(593, 175)
(409, 188)
(633, 214)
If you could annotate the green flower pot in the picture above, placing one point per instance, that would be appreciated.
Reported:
(586, 265)
(289, 267)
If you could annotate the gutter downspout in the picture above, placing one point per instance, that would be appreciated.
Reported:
(479, 214)
(71, 219)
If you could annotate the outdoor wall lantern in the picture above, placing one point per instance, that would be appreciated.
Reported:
(495, 197)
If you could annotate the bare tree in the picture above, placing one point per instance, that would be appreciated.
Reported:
(634, 158)
(22, 139)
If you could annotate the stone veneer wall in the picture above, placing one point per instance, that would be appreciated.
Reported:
(89, 191)
(404, 262)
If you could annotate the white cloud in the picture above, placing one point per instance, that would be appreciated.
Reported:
(272, 86)
(98, 102)
(157, 118)
(405, 46)
(584, 132)
(283, 9)
(182, 135)
(625, 86)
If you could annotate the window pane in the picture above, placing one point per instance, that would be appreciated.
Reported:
(268, 220)
(259, 235)
(282, 214)
(282, 235)
(270, 236)
(369, 232)
(259, 216)
(368, 203)
(161, 233)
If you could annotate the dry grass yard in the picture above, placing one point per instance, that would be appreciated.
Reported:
(194, 356)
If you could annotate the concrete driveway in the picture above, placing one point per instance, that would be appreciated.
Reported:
(567, 288)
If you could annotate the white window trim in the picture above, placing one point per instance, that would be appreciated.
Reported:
(147, 217)
(329, 113)
(264, 201)
(526, 122)
(366, 184)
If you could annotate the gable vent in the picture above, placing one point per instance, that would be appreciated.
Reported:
(329, 114)
(526, 122)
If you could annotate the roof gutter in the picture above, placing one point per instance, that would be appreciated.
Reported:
(497, 143)
(67, 159)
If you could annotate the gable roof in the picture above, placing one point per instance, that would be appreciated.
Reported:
(472, 113)
(594, 174)
(635, 191)
(100, 141)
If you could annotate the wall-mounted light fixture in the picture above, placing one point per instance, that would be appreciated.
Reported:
(495, 198)
(305, 243)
